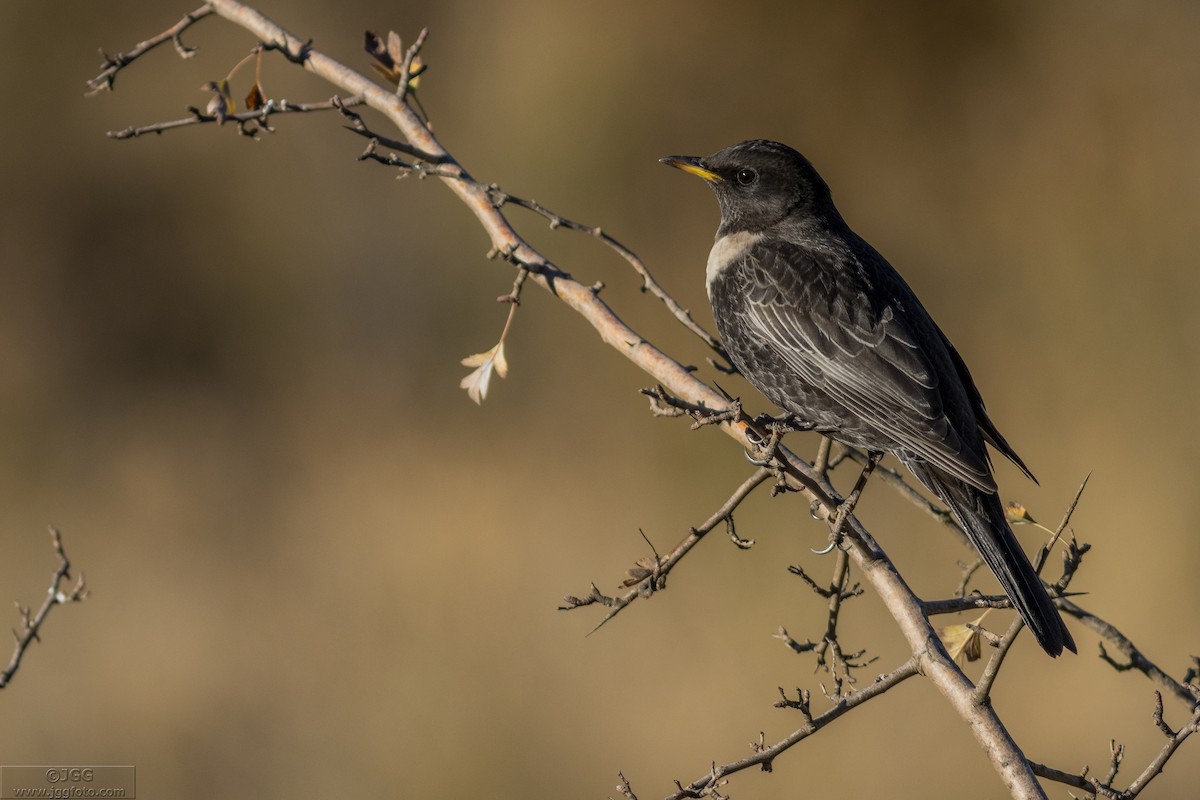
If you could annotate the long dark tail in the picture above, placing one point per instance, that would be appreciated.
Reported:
(982, 518)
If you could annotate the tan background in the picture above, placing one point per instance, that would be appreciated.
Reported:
(230, 376)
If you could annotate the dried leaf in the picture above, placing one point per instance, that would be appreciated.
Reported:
(221, 104)
(964, 641)
(385, 73)
(478, 359)
(395, 49)
(414, 74)
(501, 361)
(389, 59)
(635, 575)
(961, 641)
(378, 51)
(255, 100)
(476, 384)
(485, 364)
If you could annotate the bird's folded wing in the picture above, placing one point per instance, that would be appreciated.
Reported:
(858, 348)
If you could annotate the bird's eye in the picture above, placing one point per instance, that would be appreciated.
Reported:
(746, 176)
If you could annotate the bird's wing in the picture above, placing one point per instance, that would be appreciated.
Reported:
(860, 343)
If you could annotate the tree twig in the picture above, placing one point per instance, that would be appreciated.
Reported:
(114, 64)
(1136, 659)
(259, 116)
(765, 756)
(647, 578)
(649, 284)
(31, 623)
(406, 67)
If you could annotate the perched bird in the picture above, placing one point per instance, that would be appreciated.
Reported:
(821, 324)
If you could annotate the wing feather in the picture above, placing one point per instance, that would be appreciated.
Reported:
(867, 354)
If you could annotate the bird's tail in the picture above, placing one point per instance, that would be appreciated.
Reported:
(983, 519)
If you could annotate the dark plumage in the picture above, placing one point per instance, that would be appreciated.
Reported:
(821, 324)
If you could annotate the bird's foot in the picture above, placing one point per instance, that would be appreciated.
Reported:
(783, 424)
(775, 428)
(837, 524)
(731, 413)
(837, 520)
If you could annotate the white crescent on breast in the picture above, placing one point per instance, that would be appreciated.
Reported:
(725, 251)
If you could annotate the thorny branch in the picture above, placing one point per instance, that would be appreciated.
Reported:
(828, 651)
(422, 162)
(1103, 786)
(829, 642)
(649, 284)
(764, 756)
(249, 122)
(31, 623)
(650, 575)
(689, 394)
(1155, 767)
(114, 64)
(501, 198)
(1187, 693)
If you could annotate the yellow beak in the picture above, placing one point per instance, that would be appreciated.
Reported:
(691, 164)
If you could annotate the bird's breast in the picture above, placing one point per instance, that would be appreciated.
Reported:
(729, 249)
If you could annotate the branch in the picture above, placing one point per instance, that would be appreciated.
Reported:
(243, 118)
(955, 605)
(32, 623)
(936, 664)
(983, 688)
(1155, 767)
(1136, 660)
(406, 68)
(649, 284)
(358, 125)
(829, 652)
(648, 578)
(114, 64)
(501, 198)
(765, 756)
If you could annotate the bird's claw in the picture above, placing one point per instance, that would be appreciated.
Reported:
(776, 428)
(835, 538)
(824, 551)
(758, 462)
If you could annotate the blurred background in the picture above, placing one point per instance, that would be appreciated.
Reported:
(230, 376)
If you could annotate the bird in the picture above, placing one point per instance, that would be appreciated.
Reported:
(825, 328)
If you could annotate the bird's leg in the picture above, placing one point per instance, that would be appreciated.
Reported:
(846, 507)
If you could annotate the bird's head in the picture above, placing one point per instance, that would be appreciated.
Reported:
(759, 184)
